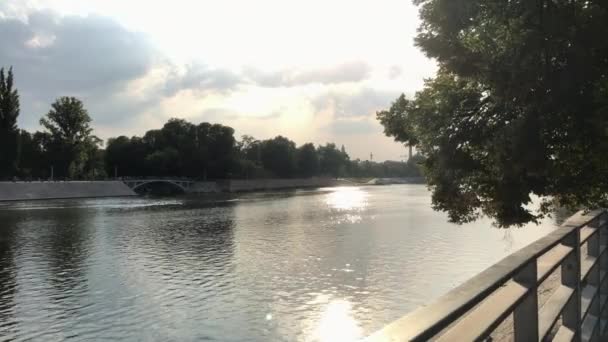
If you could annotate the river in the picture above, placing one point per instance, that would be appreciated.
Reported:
(331, 264)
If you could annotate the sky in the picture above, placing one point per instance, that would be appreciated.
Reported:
(314, 71)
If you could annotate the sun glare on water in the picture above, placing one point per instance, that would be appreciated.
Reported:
(337, 323)
(347, 198)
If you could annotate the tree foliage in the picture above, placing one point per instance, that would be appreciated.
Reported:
(179, 148)
(519, 106)
(396, 121)
(278, 156)
(307, 160)
(9, 134)
(210, 151)
(69, 144)
(333, 162)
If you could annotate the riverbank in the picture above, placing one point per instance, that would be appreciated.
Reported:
(294, 183)
(380, 181)
(276, 184)
(24, 191)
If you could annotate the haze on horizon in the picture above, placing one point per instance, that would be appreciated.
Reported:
(312, 71)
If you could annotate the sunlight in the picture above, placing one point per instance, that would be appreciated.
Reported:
(337, 323)
(347, 198)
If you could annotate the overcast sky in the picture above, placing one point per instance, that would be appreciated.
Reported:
(314, 70)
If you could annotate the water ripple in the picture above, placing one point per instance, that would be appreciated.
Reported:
(330, 264)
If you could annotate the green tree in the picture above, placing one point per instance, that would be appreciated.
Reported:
(307, 160)
(9, 134)
(398, 123)
(278, 156)
(30, 155)
(126, 157)
(179, 148)
(70, 144)
(163, 162)
(519, 106)
(333, 162)
(180, 135)
(119, 157)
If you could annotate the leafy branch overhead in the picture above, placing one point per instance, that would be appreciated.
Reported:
(519, 107)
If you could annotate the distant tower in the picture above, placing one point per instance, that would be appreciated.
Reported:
(371, 157)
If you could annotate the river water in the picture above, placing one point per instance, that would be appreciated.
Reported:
(331, 264)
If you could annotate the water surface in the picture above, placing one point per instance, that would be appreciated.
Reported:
(331, 264)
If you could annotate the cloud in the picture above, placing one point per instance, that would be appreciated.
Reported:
(87, 57)
(290, 77)
(72, 54)
(353, 127)
(394, 72)
(362, 102)
(97, 60)
(219, 114)
(201, 78)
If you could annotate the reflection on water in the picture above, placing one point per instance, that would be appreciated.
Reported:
(333, 264)
(347, 198)
(337, 323)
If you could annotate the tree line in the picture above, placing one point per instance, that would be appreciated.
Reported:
(66, 148)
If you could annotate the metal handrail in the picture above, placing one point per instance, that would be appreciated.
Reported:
(473, 310)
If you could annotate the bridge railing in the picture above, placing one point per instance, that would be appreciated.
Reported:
(575, 311)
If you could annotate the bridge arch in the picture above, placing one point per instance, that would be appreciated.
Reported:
(179, 186)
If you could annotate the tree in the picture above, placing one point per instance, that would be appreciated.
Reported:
(278, 156)
(398, 123)
(9, 134)
(222, 150)
(519, 107)
(333, 162)
(70, 143)
(119, 157)
(30, 155)
(307, 160)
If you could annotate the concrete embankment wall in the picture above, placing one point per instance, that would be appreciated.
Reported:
(273, 184)
(18, 191)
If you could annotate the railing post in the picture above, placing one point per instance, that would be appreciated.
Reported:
(593, 278)
(525, 315)
(603, 236)
(571, 277)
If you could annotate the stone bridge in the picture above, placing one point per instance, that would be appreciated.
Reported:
(182, 185)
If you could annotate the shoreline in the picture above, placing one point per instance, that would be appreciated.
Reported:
(55, 190)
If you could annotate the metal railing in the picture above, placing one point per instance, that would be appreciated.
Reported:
(575, 310)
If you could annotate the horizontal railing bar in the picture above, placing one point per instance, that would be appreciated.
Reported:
(588, 295)
(485, 317)
(551, 310)
(428, 321)
(548, 262)
(587, 232)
